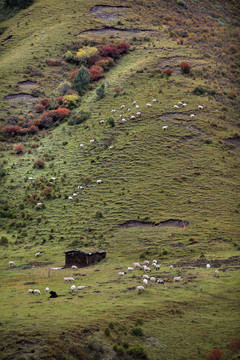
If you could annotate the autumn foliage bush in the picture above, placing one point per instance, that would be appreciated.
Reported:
(214, 355)
(110, 50)
(185, 67)
(51, 62)
(19, 149)
(96, 72)
(39, 164)
(168, 72)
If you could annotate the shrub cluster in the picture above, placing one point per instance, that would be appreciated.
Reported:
(185, 67)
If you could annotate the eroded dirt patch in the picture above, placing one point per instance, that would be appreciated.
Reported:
(20, 96)
(235, 141)
(169, 222)
(115, 31)
(27, 83)
(109, 12)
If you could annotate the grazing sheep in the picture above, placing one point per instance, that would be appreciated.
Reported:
(53, 294)
(176, 107)
(139, 113)
(73, 288)
(121, 273)
(129, 109)
(140, 289)
(200, 107)
(132, 117)
(53, 178)
(145, 281)
(37, 254)
(216, 273)
(130, 268)
(208, 266)
(80, 187)
(67, 279)
(145, 276)
(177, 278)
(179, 103)
(171, 267)
(36, 291)
(39, 204)
(70, 198)
(153, 279)
(122, 106)
(146, 262)
(81, 145)
(165, 127)
(111, 147)
(157, 267)
(184, 104)
(134, 103)
(82, 287)
(47, 289)
(124, 120)
(136, 266)
(192, 116)
(120, 116)
(99, 181)
(113, 111)
(155, 100)
(154, 261)
(101, 122)
(30, 291)
(11, 264)
(146, 268)
(160, 281)
(30, 178)
(149, 105)
(74, 194)
(74, 267)
(137, 106)
(92, 141)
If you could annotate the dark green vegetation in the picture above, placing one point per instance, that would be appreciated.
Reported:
(189, 171)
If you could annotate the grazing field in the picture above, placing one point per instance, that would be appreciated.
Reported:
(169, 186)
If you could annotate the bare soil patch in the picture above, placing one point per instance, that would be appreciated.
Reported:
(115, 31)
(169, 222)
(20, 96)
(27, 83)
(109, 12)
(235, 141)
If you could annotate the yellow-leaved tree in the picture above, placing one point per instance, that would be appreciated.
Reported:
(85, 53)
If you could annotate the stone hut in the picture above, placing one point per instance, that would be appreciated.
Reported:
(81, 258)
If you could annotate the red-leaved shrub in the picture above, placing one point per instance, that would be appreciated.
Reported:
(45, 121)
(110, 50)
(39, 108)
(96, 72)
(39, 163)
(19, 149)
(123, 48)
(60, 113)
(181, 41)
(105, 63)
(73, 74)
(235, 345)
(185, 67)
(168, 72)
(45, 102)
(12, 130)
(47, 192)
(93, 59)
(214, 355)
(60, 100)
(33, 129)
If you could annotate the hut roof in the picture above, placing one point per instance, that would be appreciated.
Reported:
(83, 252)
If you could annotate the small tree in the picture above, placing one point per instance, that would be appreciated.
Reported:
(81, 80)
(100, 91)
(111, 122)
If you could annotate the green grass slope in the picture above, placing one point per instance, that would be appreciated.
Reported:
(187, 172)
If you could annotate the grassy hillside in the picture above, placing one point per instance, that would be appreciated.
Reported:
(187, 172)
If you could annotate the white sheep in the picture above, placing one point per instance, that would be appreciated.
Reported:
(145, 276)
(101, 122)
(82, 287)
(73, 288)
(154, 261)
(92, 141)
(165, 127)
(160, 281)
(179, 103)
(177, 278)
(120, 116)
(208, 266)
(155, 100)
(146, 262)
(153, 279)
(71, 279)
(146, 268)
(70, 198)
(74, 267)
(129, 109)
(140, 289)
(80, 187)
(184, 104)
(148, 105)
(99, 181)
(145, 281)
(136, 265)
(37, 254)
(122, 106)
(113, 111)
(74, 195)
(132, 117)
(53, 178)
(36, 291)
(130, 268)
(81, 145)
(176, 107)
(192, 116)
(137, 106)
(139, 113)
(200, 107)
(124, 120)
(111, 147)
(30, 178)
(171, 267)
(47, 289)
(30, 291)
(134, 103)
(157, 267)
(11, 264)
(39, 204)
(121, 273)
(216, 273)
